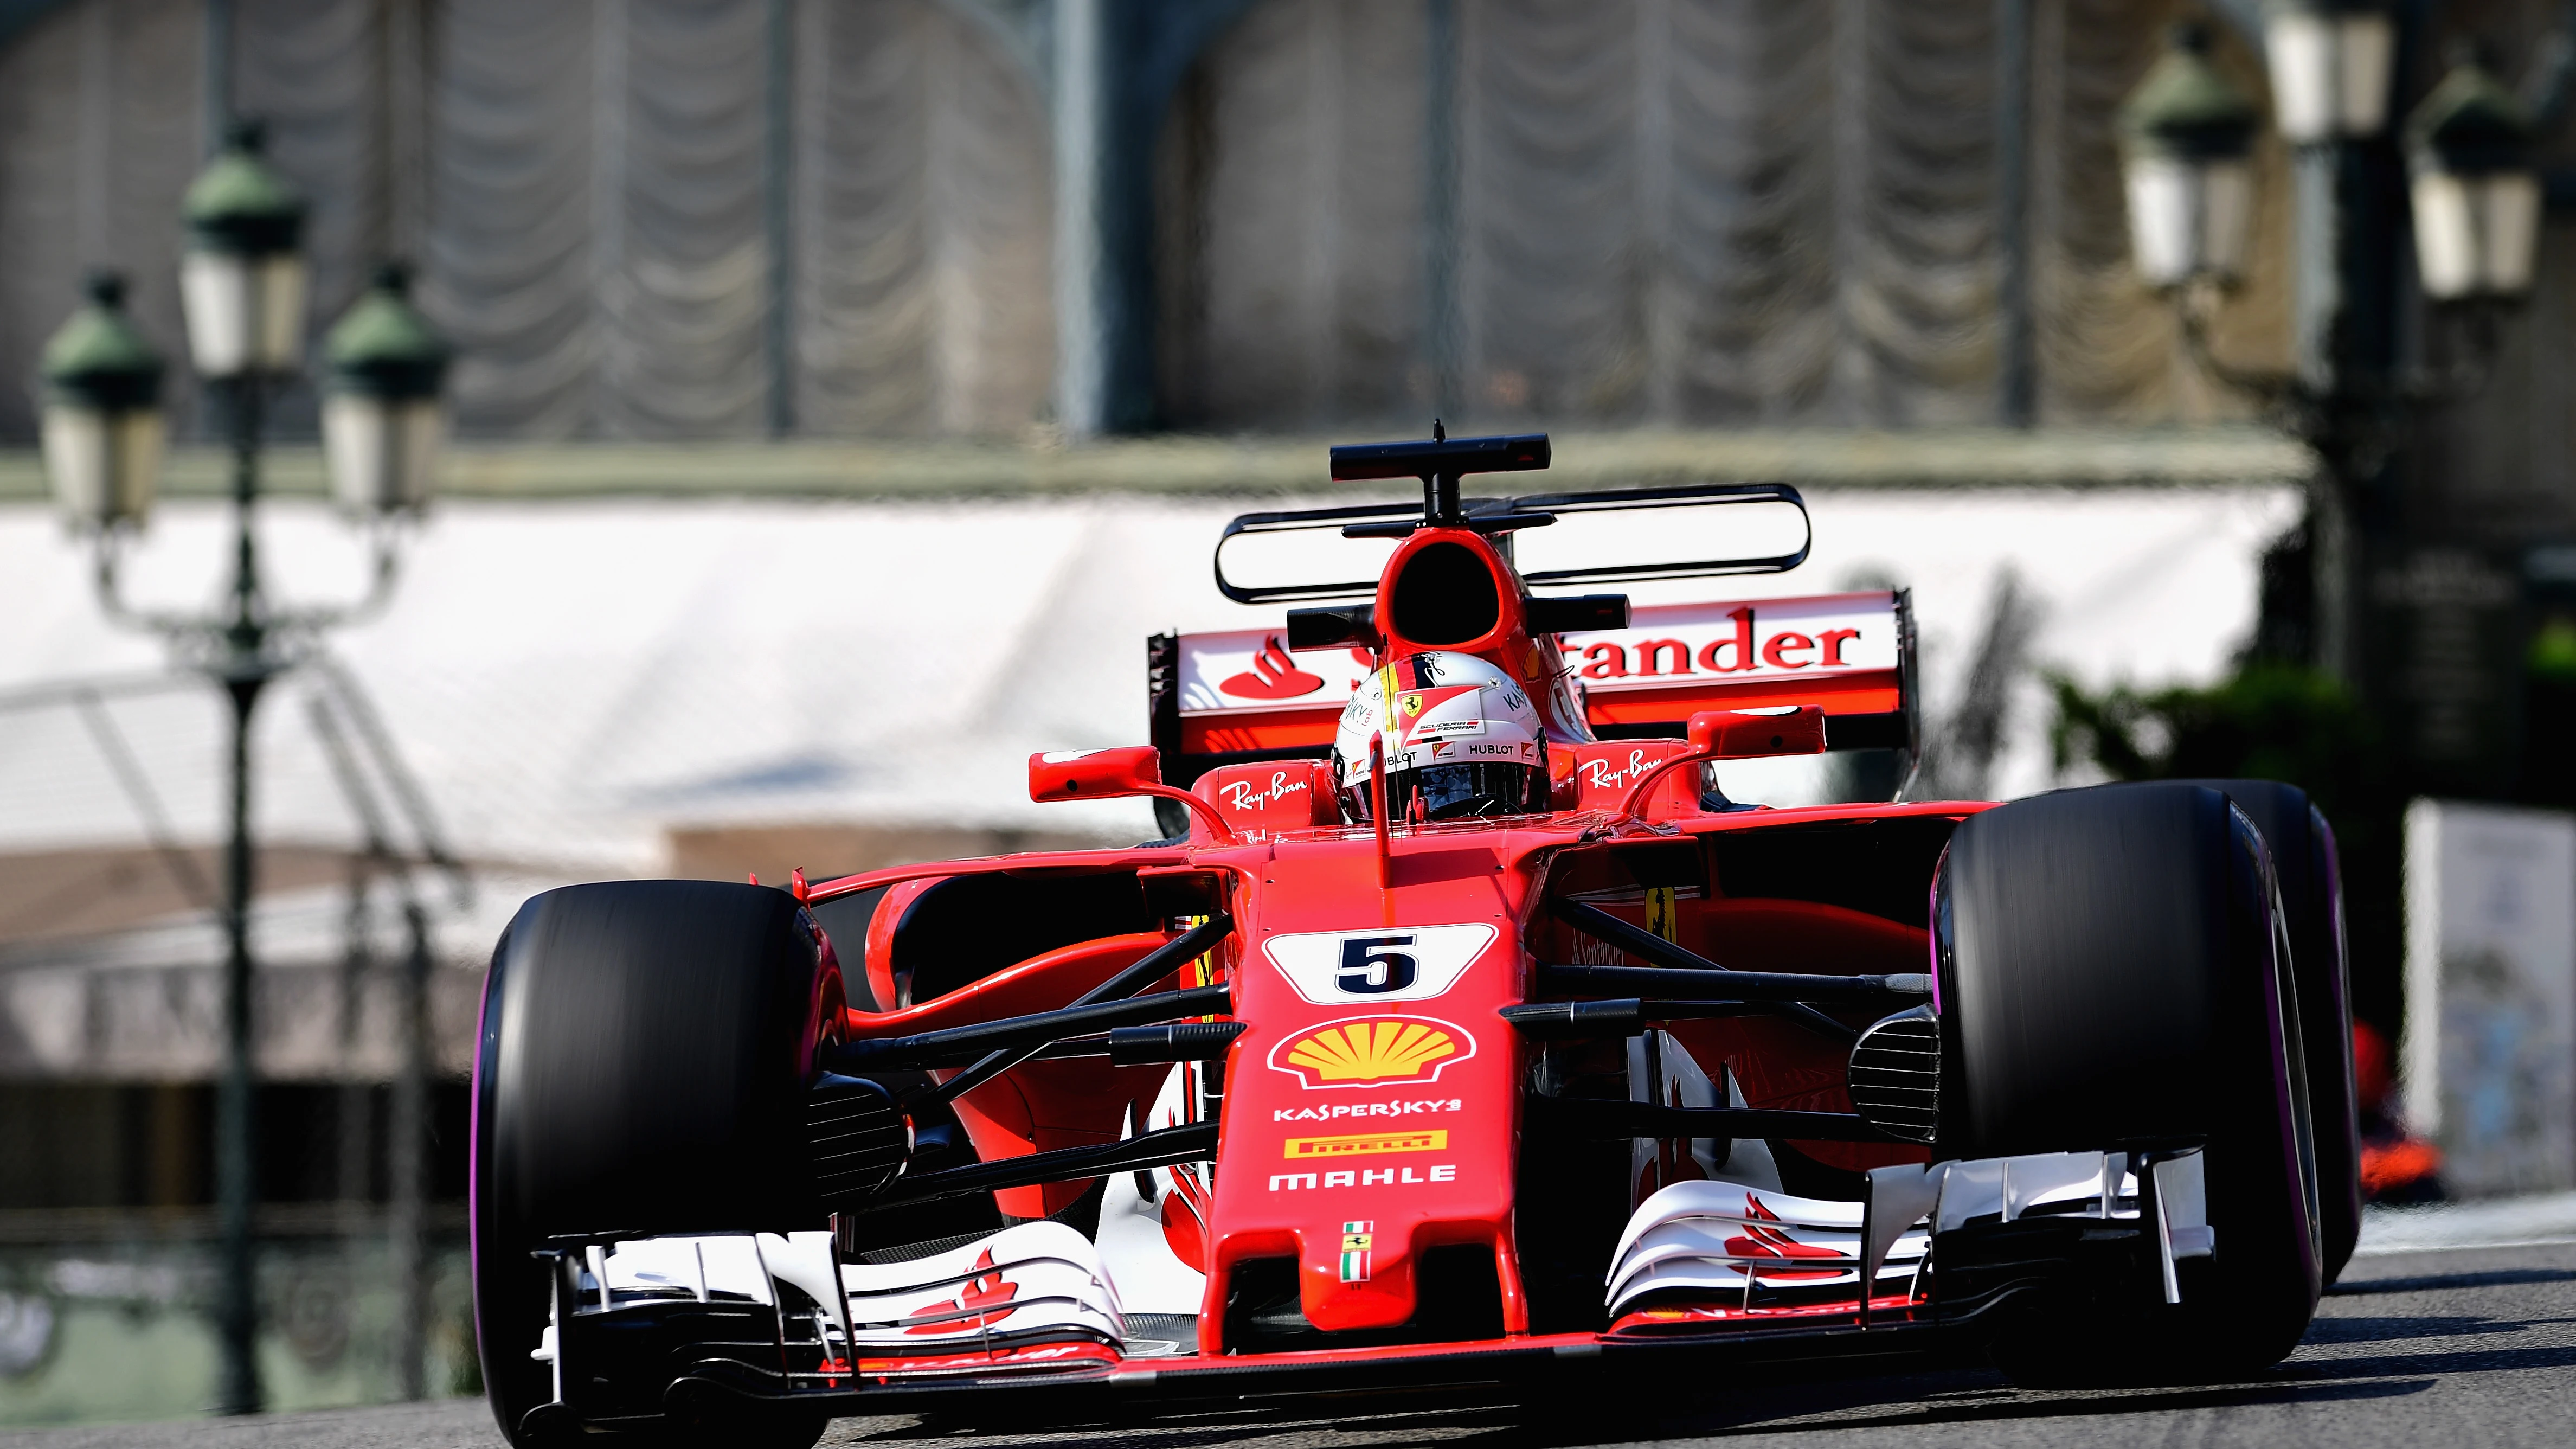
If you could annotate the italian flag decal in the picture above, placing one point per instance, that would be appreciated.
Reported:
(1356, 1239)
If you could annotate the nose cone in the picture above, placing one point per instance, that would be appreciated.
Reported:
(1372, 1107)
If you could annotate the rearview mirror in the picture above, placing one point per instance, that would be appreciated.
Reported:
(1748, 734)
(1113, 774)
(1094, 774)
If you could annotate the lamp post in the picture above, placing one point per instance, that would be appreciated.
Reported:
(382, 422)
(242, 293)
(2188, 137)
(241, 289)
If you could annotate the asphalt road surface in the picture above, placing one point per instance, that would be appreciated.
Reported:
(2432, 1349)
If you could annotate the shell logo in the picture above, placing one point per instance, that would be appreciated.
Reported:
(1369, 1051)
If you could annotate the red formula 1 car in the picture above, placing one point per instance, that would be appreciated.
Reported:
(1462, 1033)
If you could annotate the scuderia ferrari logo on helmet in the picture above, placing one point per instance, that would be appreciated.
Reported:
(1409, 963)
(1452, 711)
(1435, 708)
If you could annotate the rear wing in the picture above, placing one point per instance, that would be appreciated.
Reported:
(1242, 695)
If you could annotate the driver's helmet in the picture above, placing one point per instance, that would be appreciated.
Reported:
(1461, 740)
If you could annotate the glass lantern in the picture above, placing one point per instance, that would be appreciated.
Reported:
(2476, 197)
(382, 418)
(2330, 62)
(241, 279)
(102, 425)
(2187, 142)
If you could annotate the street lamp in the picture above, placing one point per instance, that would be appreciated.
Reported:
(242, 289)
(2477, 199)
(102, 424)
(2330, 62)
(2188, 136)
(2476, 204)
(2188, 140)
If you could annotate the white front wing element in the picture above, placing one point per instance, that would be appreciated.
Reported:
(1712, 1240)
(1704, 1240)
(1662, 1071)
(740, 1267)
(1039, 1281)
(1135, 1246)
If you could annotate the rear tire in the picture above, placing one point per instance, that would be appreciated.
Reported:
(2111, 972)
(644, 1052)
(2303, 857)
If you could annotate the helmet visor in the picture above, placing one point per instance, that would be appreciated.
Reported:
(1461, 792)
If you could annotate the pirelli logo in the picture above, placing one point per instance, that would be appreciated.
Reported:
(1365, 1144)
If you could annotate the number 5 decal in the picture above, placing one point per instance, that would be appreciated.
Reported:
(1372, 967)
(1328, 967)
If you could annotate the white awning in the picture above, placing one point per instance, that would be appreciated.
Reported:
(570, 678)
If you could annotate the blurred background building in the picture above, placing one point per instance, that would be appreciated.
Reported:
(843, 390)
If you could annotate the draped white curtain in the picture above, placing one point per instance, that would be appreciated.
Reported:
(599, 235)
(1653, 212)
(924, 221)
(1291, 196)
(99, 133)
(1667, 212)
(587, 189)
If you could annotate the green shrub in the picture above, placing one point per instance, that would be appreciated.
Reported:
(2269, 721)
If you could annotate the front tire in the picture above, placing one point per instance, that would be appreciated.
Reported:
(644, 1052)
(2304, 858)
(2113, 968)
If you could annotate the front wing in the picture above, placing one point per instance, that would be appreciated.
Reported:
(1705, 1269)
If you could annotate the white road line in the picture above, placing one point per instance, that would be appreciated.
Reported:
(2518, 1222)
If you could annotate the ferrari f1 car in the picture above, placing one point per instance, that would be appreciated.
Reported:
(1461, 1032)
